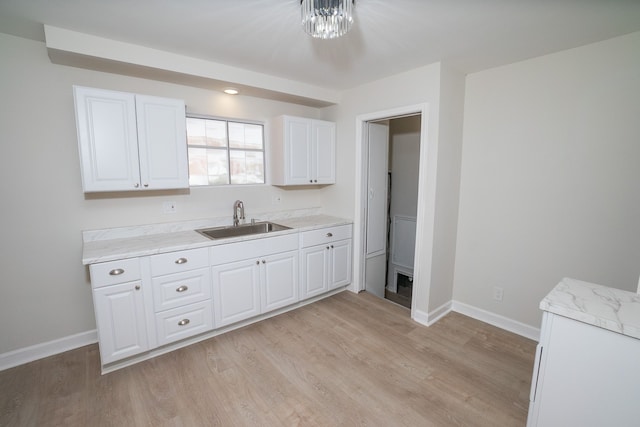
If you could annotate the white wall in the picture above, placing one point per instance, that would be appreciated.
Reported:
(404, 148)
(45, 292)
(550, 177)
(420, 86)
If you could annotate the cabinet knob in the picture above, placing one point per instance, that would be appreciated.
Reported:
(146, 185)
(315, 180)
(311, 180)
(136, 185)
(182, 288)
(116, 272)
(329, 234)
(331, 246)
(264, 262)
(181, 261)
(183, 322)
(137, 287)
(327, 247)
(258, 262)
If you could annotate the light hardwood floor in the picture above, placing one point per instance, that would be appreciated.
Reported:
(348, 360)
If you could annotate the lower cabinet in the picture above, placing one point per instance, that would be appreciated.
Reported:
(148, 302)
(121, 322)
(327, 265)
(255, 285)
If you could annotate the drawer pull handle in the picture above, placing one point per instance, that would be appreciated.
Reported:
(181, 261)
(137, 287)
(182, 288)
(116, 272)
(183, 322)
(329, 234)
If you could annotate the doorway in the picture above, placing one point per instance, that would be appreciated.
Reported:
(393, 160)
(425, 217)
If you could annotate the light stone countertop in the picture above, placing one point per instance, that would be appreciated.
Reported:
(129, 242)
(597, 305)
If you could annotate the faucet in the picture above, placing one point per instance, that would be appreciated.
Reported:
(236, 218)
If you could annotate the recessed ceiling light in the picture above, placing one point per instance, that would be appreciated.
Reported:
(231, 91)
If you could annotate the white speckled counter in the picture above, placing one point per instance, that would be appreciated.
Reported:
(586, 370)
(128, 242)
(608, 308)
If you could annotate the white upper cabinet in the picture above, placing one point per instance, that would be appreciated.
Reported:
(130, 142)
(303, 151)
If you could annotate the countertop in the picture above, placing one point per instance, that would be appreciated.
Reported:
(597, 305)
(129, 242)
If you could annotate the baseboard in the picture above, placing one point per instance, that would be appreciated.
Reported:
(46, 349)
(497, 320)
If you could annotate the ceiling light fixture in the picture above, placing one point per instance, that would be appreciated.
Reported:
(327, 19)
(231, 91)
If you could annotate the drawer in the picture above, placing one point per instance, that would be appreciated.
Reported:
(232, 252)
(325, 235)
(175, 290)
(179, 323)
(112, 272)
(175, 262)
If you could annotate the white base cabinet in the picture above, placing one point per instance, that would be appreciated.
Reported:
(263, 282)
(584, 376)
(146, 305)
(325, 256)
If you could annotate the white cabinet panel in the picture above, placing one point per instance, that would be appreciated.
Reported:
(236, 291)
(108, 140)
(314, 279)
(340, 264)
(183, 322)
(130, 142)
(175, 290)
(279, 280)
(120, 317)
(303, 151)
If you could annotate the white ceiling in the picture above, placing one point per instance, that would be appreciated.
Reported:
(388, 36)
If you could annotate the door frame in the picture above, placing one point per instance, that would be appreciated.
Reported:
(425, 215)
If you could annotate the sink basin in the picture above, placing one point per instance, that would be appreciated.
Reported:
(241, 230)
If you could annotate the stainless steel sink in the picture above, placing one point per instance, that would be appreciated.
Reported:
(241, 230)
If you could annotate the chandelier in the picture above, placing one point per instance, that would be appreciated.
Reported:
(327, 19)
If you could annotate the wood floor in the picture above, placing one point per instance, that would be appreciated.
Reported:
(349, 360)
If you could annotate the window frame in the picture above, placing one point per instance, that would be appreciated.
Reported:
(228, 148)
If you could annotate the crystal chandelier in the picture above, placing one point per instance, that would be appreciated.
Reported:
(327, 19)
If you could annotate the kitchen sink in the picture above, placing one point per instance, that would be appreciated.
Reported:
(242, 230)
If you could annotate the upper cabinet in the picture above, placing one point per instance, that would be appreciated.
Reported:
(303, 151)
(130, 142)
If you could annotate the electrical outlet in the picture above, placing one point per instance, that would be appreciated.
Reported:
(276, 200)
(498, 293)
(169, 207)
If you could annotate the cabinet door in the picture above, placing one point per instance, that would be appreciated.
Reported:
(297, 140)
(313, 277)
(120, 317)
(107, 139)
(279, 280)
(162, 142)
(340, 271)
(236, 291)
(324, 152)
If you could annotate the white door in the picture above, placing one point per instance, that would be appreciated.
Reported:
(297, 138)
(377, 205)
(324, 152)
(108, 139)
(279, 280)
(236, 291)
(121, 321)
(314, 266)
(340, 273)
(162, 142)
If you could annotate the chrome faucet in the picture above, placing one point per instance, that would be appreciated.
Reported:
(238, 205)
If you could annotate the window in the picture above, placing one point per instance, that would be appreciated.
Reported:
(224, 152)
